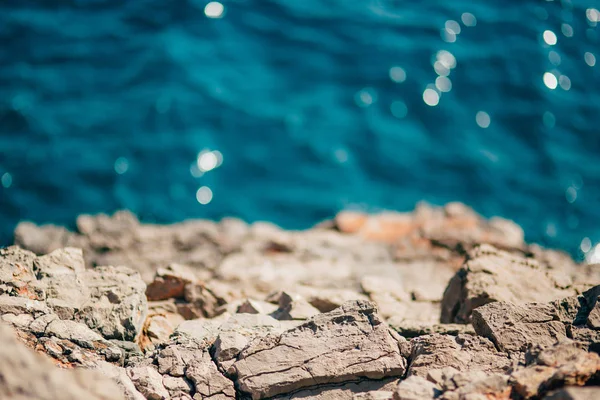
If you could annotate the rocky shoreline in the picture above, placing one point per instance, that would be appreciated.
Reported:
(439, 303)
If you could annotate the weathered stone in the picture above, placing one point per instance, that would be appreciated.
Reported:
(463, 352)
(239, 330)
(208, 381)
(346, 344)
(169, 283)
(491, 275)
(148, 382)
(26, 375)
(293, 308)
(120, 377)
(411, 329)
(416, 388)
(478, 386)
(199, 329)
(514, 328)
(250, 306)
(157, 329)
(563, 364)
(73, 331)
(364, 389)
(117, 307)
(575, 393)
(202, 302)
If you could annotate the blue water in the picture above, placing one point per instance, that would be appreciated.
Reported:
(308, 107)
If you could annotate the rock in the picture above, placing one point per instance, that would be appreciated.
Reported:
(199, 329)
(293, 308)
(117, 307)
(478, 385)
(250, 306)
(16, 274)
(185, 368)
(40, 239)
(169, 283)
(207, 380)
(73, 331)
(157, 329)
(346, 344)
(563, 364)
(411, 329)
(148, 382)
(364, 389)
(490, 275)
(239, 330)
(513, 328)
(26, 375)
(575, 393)
(202, 302)
(120, 377)
(463, 352)
(110, 300)
(326, 299)
(416, 388)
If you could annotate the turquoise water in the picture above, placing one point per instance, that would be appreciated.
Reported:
(290, 110)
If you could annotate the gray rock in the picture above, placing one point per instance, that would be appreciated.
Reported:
(346, 344)
(462, 352)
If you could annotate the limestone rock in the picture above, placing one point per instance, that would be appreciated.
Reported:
(169, 283)
(416, 388)
(563, 364)
(26, 375)
(237, 332)
(463, 352)
(117, 307)
(148, 382)
(184, 369)
(575, 393)
(411, 329)
(293, 308)
(490, 275)
(513, 328)
(346, 344)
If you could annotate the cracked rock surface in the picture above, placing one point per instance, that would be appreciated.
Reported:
(438, 303)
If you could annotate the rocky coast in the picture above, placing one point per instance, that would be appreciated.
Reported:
(439, 303)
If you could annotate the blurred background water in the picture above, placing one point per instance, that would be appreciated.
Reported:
(290, 110)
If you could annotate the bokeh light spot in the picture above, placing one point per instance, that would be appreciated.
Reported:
(483, 119)
(214, 9)
(204, 195)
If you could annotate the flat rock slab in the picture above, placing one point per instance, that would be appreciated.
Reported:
(347, 344)
(514, 328)
(463, 352)
(490, 275)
